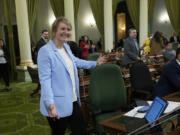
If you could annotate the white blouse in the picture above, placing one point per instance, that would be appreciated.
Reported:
(2, 59)
(70, 67)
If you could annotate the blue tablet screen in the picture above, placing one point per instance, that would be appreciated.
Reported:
(157, 108)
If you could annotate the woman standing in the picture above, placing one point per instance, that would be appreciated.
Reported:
(156, 44)
(85, 46)
(4, 70)
(57, 68)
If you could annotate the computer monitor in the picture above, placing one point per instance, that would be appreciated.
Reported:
(156, 109)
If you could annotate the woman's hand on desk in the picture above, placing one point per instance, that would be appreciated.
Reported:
(101, 60)
(52, 111)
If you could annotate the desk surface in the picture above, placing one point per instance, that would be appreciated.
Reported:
(117, 123)
(173, 97)
(110, 124)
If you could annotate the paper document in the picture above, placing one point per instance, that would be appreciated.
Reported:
(133, 113)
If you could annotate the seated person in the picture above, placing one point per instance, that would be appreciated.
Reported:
(169, 81)
(168, 53)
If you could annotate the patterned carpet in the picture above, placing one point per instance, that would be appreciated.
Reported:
(19, 113)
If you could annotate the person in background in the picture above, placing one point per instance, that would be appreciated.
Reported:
(156, 44)
(169, 81)
(174, 38)
(4, 67)
(85, 46)
(131, 49)
(33, 53)
(120, 43)
(92, 47)
(164, 38)
(146, 45)
(57, 68)
(42, 41)
(99, 44)
(168, 53)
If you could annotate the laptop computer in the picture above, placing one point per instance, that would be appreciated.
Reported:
(155, 111)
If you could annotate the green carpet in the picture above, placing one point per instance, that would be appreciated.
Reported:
(19, 113)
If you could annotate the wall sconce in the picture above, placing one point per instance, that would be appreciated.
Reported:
(52, 18)
(90, 21)
(164, 18)
(91, 24)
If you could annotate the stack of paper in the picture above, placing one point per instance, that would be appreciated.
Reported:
(133, 113)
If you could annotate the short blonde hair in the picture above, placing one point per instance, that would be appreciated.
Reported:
(57, 22)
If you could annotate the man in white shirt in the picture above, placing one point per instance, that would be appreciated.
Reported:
(174, 38)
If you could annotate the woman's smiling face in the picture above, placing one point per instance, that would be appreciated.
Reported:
(63, 32)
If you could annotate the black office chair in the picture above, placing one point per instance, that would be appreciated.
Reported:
(76, 50)
(141, 80)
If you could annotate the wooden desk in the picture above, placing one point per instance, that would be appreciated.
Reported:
(113, 127)
(116, 126)
(173, 97)
(84, 86)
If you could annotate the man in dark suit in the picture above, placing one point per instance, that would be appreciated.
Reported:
(174, 38)
(169, 81)
(42, 41)
(131, 49)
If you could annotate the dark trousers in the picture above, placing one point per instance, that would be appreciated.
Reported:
(75, 121)
(4, 73)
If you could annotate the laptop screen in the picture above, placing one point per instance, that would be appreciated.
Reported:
(156, 109)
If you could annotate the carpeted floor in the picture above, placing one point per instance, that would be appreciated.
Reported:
(19, 113)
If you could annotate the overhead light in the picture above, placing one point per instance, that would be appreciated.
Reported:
(52, 18)
(164, 18)
(90, 21)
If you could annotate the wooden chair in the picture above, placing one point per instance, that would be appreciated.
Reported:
(35, 79)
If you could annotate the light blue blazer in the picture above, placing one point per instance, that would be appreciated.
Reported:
(56, 84)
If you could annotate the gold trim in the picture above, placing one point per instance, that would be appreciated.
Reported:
(26, 63)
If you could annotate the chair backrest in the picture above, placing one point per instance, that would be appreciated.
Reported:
(140, 77)
(76, 50)
(93, 57)
(107, 89)
(34, 74)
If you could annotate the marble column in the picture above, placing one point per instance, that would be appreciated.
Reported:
(69, 14)
(143, 21)
(24, 39)
(108, 25)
